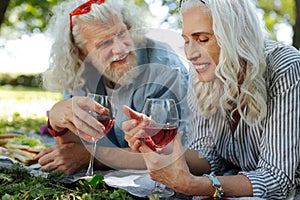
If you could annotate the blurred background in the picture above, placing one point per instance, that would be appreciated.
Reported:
(24, 47)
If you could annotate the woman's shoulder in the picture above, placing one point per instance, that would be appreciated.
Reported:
(280, 56)
(283, 65)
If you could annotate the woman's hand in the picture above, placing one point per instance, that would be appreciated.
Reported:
(73, 114)
(170, 170)
(133, 128)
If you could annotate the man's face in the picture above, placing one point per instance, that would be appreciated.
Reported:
(110, 49)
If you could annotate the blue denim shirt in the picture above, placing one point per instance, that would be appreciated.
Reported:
(161, 74)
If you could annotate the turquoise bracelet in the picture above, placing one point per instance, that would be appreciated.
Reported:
(219, 193)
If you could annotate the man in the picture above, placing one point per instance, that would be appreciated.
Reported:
(99, 47)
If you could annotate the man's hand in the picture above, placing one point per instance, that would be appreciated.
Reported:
(73, 114)
(68, 158)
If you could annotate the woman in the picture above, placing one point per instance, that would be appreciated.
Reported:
(245, 108)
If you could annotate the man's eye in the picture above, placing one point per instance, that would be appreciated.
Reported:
(122, 34)
(104, 44)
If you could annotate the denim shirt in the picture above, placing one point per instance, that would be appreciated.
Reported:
(161, 74)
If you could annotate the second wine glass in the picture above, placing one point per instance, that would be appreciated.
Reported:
(162, 121)
(106, 119)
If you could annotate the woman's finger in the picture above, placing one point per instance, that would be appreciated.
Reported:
(127, 126)
(131, 113)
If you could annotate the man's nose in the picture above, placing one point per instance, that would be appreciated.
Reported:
(119, 46)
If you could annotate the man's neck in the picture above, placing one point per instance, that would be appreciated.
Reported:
(110, 84)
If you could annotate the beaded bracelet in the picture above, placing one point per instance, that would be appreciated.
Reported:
(55, 133)
(219, 193)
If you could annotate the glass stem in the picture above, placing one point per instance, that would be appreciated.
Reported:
(90, 171)
(157, 187)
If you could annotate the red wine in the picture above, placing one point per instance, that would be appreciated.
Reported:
(107, 122)
(159, 137)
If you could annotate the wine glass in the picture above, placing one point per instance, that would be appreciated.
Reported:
(161, 117)
(106, 119)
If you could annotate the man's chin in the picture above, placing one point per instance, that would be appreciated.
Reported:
(123, 74)
(122, 78)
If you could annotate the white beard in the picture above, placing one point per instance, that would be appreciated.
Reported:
(122, 75)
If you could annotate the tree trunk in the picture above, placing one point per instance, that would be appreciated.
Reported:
(296, 39)
(3, 7)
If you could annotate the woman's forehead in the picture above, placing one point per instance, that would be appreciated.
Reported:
(197, 18)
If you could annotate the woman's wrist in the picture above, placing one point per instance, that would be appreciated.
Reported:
(216, 184)
(195, 185)
(186, 183)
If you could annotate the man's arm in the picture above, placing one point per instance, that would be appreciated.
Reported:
(118, 158)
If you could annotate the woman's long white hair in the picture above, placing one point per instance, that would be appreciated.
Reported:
(65, 62)
(240, 36)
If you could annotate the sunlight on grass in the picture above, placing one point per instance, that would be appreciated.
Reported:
(28, 102)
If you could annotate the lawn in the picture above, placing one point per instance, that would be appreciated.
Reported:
(28, 102)
(24, 108)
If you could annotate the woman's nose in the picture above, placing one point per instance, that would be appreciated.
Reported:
(193, 50)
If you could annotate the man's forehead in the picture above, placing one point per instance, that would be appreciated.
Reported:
(103, 32)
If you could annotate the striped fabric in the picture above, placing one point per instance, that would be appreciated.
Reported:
(269, 156)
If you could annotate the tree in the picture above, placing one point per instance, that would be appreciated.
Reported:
(296, 38)
(275, 12)
(281, 12)
(25, 16)
(28, 16)
(3, 7)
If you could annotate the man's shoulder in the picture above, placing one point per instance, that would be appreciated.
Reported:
(155, 46)
(159, 53)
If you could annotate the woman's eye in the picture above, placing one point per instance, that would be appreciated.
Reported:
(203, 40)
(206, 40)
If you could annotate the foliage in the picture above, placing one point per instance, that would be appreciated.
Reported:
(26, 80)
(29, 15)
(276, 12)
(17, 183)
(21, 124)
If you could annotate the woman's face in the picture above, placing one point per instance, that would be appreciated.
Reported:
(201, 47)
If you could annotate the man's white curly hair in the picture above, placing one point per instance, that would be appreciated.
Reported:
(65, 62)
(240, 36)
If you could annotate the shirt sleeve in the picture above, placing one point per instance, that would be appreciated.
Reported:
(279, 158)
(201, 137)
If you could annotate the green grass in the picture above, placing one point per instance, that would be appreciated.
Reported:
(28, 102)
(26, 94)
(19, 110)
(25, 109)
(17, 183)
